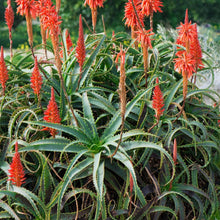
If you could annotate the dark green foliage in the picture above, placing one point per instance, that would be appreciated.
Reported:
(73, 175)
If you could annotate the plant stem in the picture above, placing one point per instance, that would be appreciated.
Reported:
(55, 43)
(145, 57)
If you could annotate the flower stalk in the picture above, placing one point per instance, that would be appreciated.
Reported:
(80, 50)
(94, 4)
(36, 80)
(9, 18)
(3, 71)
(16, 171)
(52, 114)
(122, 95)
(157, 104)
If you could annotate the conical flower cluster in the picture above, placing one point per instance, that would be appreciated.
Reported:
(80, 48)
(36, 79)
(50, 20)
(49, 17)
(143, 36)
(131, 19)
(189, 60)
(186, 32)
(27, 6)
(151, 6)
(3, 71)
(196, 51)
(158, 102)
(69, 44)
(185, 64)
(188, 37)
(9, 15)
(16, 171)
(52, 114)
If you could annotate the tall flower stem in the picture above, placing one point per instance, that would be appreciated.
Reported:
(122, 95)
(134, 36)
(145, 58)
(11, 42)
(30, 30)
(151, 21)
(135, 11)
(44, 38)
(9, 18)
(185, 84)
(154, 125)
(55, 42)
(80, 50)
(94, 18)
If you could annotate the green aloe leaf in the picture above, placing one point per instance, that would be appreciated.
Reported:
(70, 173)
(9, 211)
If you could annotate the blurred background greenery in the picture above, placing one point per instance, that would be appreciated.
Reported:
(204, 12)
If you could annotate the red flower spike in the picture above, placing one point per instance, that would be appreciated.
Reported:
(49, 17)
(151, 6)
(93, 4)
(185, 64)
(16, 171)
(158, 101)
(3, 71)
(186, 32)
(175, 152)
(9, 16)
(130, 16)
(80, 48)
(195, 50)
(26, 6)
(143, 36)
(52, 114)
(69, 44)
(36, 79)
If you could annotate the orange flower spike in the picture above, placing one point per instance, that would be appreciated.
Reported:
(3, 71)
(175, 151)
(80, 48)
(186, 32)
(196, 51)
(16, 171)
(26, 6)
(151, 6)
(185, 64)
(130, 16)
(143, 36)
(52, 114)
(9, 16)
(158, 102)
(50, 18)
(36, 79)
(69, 42)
